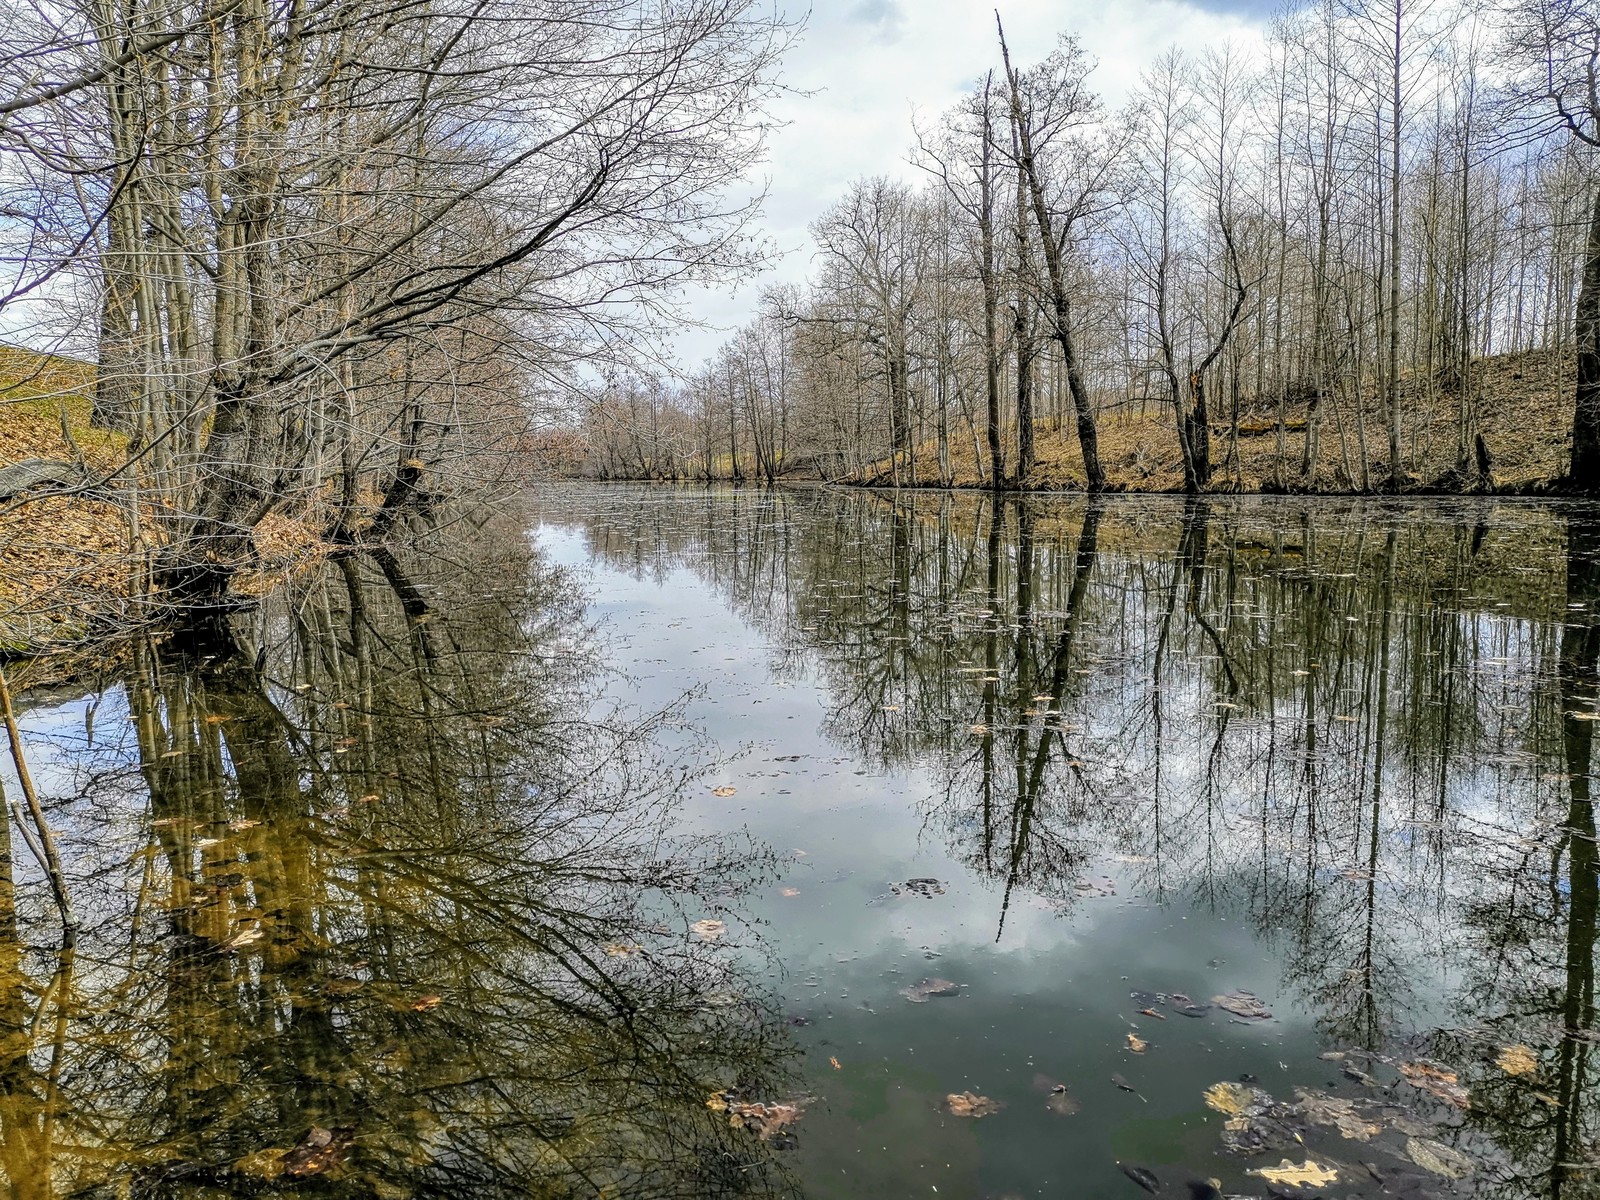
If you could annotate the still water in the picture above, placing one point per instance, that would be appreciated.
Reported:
(649, 842)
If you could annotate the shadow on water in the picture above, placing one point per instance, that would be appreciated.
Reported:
(1362, 729)
(378, 899)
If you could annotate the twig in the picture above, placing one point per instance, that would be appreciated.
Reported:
(43, 843)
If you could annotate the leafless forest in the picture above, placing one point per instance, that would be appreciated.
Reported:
(1362, 256)
(327, 258)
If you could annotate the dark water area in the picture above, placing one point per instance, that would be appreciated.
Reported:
(673, 843)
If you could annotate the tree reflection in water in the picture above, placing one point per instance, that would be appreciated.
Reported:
(1366, 727)
(375, 905)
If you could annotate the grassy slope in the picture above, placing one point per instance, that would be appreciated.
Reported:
(1524, 405)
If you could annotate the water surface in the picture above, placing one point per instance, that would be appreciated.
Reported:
(667, 842)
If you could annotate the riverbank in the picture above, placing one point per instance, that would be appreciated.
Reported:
(71, 555)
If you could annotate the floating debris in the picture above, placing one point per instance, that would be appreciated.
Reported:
(927, 989)
(1243, 1004)
(969, 1104)
(1306, 1174)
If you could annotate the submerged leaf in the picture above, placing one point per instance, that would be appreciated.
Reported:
(1306, 1174)
(1095, 888)
(1439, 1158)
(764, 1120)
(1137, 1044)
(723, 791)
(316, 1151)
(708, 930)
(1517, 1060)
(1242, 1004)
(926, 989)
(1337, 1112)
(1436, 1081)
(1062, 1104)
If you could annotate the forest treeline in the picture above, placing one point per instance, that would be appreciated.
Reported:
(1361, 255)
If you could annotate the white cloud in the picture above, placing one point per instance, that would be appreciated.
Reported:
(869, 65)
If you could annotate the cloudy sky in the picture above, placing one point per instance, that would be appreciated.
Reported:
(869, 66)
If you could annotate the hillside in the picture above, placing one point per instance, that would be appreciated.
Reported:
(1523, 404)
(64, 556)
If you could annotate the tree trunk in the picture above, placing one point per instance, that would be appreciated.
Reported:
(1585, 474)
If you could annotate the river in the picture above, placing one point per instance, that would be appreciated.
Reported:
(670, 842)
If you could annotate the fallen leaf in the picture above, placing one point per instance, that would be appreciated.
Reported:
(789, 891)
(835, 1063)
(1143, 1176)
(1242, 1004)
(1228, 1098)
(967, 1104)
(621, 949)
(1137, 1044)
(1287, 1174)
(251, 933)
(1150, 1012)
(1439, 1158)
(723, 791)
(1436, 1081)
(1517, 1060)
(708, 930)
(426, 1003)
